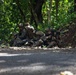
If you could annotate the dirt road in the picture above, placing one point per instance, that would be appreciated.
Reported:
(36, 62)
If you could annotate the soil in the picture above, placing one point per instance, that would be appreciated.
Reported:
(69, 36)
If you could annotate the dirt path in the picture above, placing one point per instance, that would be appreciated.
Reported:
(37, 62)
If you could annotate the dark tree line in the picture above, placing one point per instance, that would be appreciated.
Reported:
(74, 5)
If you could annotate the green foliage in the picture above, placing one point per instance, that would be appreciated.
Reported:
(8, 19)
(65, 13)
(10, 15)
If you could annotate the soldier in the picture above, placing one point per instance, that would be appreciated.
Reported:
(29, 34)
(22, 32)
(20, 38)
(39, 38)
(30, 31)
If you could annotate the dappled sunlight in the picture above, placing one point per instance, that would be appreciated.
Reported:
(9, 54)
(2, 61)
(19, 61)
(36, 62)
(27, 69)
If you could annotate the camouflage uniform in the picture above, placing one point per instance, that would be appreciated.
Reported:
(30, 31)
(20, 38)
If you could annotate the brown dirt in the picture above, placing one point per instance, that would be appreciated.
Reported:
(69, 37)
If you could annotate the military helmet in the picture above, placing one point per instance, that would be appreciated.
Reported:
(40, 33)
(21, 25)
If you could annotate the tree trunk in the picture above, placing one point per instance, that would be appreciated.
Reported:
(33, 15)
(75, 5)
(49, 12)
(56, 4)
(21, 11)
(37, 7)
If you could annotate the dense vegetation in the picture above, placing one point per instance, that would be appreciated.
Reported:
(40, 13)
